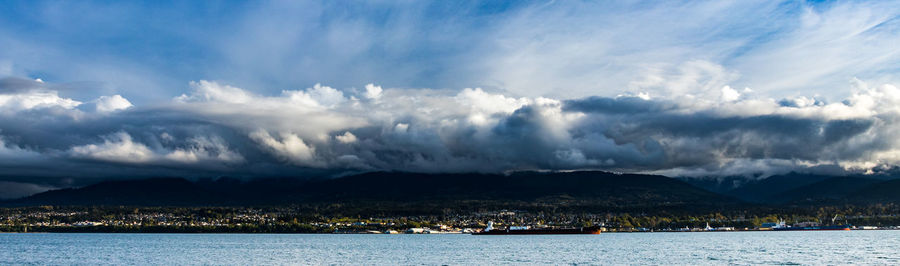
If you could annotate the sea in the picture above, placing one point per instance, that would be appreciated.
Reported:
(698, 248)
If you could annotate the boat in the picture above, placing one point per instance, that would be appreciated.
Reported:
(782, 227)
(527, 230)
(841, 227)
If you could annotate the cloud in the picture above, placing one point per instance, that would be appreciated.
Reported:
(346, 138)
(112, 103)
(326, 96)
(825, 46)
(218, 128)
(14, 154)
(205, 149)
(117, 147)
(373, 92)
(212, 91)
(35, 100)
(19, 94)
(485, 103)
(289, 148)
(120, 147)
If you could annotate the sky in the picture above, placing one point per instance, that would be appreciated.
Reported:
(129, 89)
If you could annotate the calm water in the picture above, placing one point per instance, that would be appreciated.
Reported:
(864, 247)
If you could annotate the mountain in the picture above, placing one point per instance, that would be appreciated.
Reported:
(881, 192)
(384, 191)
(828, 190)
(796, 188)
(625, 188)
(161, 191)
(768, 189)
(718, 184)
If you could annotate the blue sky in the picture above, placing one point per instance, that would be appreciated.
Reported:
(293, 88)
(135, 47)
(150, 51)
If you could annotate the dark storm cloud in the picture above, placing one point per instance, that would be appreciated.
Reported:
(620, 105)
(218, 130)
(705, 137)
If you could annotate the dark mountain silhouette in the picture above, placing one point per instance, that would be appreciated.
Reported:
(766, 190)
(592, 189)
(881, 192)
(719, 184)
(411, 193)
(626, 188)
(825, 191)
(803, 189)
(163, 191)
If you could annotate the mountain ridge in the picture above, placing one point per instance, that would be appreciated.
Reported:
(588, 190)
(599, 189)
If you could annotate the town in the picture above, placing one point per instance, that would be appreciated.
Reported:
(295, 220)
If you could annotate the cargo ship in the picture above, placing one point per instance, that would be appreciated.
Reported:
(782, 227)
(526, 230)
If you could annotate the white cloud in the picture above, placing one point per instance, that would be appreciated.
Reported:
(326, 96)
(372, 91)
(211, 91)
(486, 103)
(43, 99)
(729, 94)
(116, 102)
(117, 147)
(290, 147)
(18, 94)
(303, 112)
(35, 100)
(346, 138)
(204, 149)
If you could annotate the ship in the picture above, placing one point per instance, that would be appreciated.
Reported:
(527, 230)
(782, 227)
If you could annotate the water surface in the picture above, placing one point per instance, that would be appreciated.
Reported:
(824, 247)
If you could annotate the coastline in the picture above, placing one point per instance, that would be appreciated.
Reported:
(399, 233)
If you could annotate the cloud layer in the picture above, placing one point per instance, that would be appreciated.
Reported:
(217, 129)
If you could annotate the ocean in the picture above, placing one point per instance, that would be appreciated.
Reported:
(820, 247)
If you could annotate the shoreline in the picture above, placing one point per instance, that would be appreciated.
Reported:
(440, 233)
